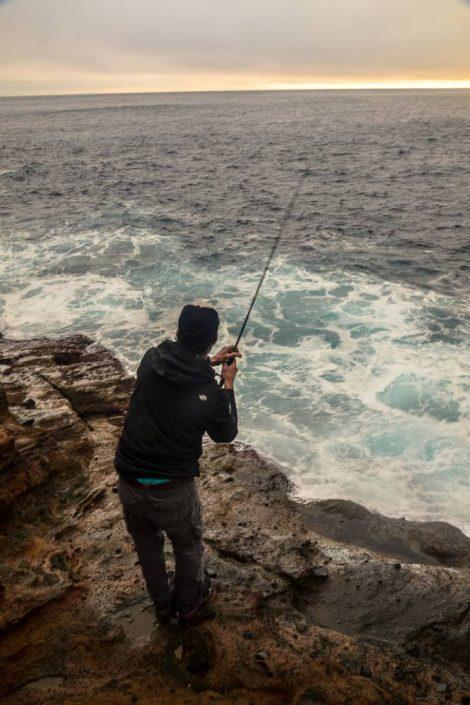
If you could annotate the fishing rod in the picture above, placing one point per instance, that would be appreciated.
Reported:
(281, 231)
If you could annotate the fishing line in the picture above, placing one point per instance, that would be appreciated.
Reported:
(284, 222)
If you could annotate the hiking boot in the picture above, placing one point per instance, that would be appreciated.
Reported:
(202, 610)
(203, 613)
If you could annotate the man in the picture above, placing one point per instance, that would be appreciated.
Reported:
(175, 401)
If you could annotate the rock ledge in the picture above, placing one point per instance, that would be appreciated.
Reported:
(323, 602)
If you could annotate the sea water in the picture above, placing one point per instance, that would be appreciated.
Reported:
(117, 210)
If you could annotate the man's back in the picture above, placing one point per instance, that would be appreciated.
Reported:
(175, 401)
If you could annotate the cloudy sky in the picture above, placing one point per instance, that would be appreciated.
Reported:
(85, 46)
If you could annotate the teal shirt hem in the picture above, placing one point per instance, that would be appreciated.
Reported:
(152, 480)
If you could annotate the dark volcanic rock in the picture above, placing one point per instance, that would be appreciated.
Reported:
(310, 608)
(421, 542)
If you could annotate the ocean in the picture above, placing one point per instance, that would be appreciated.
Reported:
(117, 210)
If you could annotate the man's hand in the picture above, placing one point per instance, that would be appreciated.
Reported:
(229, 373)
(226, 353)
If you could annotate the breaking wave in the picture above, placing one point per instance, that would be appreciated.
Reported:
(358, 386)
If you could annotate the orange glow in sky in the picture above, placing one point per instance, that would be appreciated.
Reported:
(65, 46)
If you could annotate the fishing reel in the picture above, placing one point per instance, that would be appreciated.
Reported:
(228, 363)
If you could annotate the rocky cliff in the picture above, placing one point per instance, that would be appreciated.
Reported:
(322, 602)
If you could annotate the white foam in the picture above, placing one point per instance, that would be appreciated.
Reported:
(355, 445)
(322, 349)
(107, 309)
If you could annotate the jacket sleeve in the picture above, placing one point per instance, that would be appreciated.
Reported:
(222, 421)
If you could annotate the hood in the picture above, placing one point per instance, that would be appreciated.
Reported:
(179, 367)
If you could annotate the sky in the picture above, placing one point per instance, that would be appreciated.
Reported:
(106, 46)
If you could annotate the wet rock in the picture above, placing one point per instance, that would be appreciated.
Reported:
(3, 401)
(199, 662)
(7, 448)
(315, 581)
(419, 542)
(312, 696)
(67, 357)
(90, 499)
(84, 373)
(306, 547)
(198, 651)
(262, 658)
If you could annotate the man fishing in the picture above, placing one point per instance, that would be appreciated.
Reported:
(175, 401)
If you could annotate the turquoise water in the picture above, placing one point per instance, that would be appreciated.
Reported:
(356, 367)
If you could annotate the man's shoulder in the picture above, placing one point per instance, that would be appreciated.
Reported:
(147, 357)
(152, 352)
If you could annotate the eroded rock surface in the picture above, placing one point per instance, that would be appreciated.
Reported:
(323, 602)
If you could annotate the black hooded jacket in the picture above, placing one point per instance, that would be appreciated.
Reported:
(175, 401)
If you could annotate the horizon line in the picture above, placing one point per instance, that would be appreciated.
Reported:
(349, 86)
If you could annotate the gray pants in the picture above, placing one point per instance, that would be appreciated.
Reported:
(174, 510)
